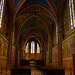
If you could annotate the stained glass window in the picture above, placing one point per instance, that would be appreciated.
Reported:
(71, 8)
(27, 46)
(1, 10)
(38, 48)
(32, 47)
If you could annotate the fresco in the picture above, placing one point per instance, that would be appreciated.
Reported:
(66, 17)
(68, 48)
(13, 52)
(66, 26)
(5, 19)
(1, 46)
(5, 48)
(64, 49)
(55, 53)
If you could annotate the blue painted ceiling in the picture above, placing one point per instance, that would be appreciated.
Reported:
(16, 1)
(23, 31)
(55, 2)
(33, 23)
(41, 1)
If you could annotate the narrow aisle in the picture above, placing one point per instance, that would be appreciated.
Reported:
(36, 72)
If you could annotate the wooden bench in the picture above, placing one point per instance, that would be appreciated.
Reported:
(25, 62)
(21, 71)
(48, 71)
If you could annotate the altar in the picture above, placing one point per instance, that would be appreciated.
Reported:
(32, 63)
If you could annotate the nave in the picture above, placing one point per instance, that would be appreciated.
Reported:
(39, 32)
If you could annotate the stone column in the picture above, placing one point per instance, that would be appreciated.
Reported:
(17, 46)
(9, 47)
(50, 53)
(59, 48)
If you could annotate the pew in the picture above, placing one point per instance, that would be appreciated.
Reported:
(25, 62)
(39, 62)
(21, 71)
(51, 71)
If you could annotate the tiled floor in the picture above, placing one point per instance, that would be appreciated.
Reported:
(34, 71)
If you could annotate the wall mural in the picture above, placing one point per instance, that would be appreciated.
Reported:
(3, 47)
(66, 18)
(55, 53)
(5, 19)
(68, 48)
(66, 26)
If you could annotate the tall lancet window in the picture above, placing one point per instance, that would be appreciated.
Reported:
(32, 47)
(1, 10)
(27, 48)
(71, 8)
(38, 48)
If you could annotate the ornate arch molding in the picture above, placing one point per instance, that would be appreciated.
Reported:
(33, 32)
(52, 15)
(44, 24)
(34, 26)
(35, 37)
(27, 24)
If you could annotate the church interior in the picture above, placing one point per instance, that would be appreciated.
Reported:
(37, 37)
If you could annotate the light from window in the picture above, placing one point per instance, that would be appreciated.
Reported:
(27, 48)
(38, 48)
(32, 47)
(71, 8)
(1, 10)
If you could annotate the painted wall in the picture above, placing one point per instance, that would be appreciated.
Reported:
(66, 17)
(67, 54)
(55, 56)
(26, 56)
(3, 51)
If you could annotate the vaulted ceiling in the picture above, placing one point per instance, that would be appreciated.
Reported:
(35, 17)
